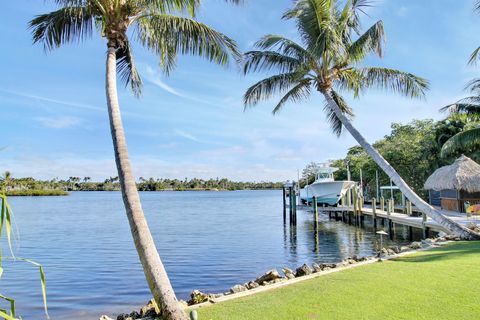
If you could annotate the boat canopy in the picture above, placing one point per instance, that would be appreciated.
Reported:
(325, 174)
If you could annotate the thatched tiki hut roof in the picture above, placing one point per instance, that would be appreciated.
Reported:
(463, 174)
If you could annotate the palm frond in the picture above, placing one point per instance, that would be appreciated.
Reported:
(283, 45)
(127, 70)
(396, 81)
(350, 79)
(266, 88)
(62, 26)
(169, 36)
(474, 86)
(266, 60)
(316, 22)
(371, 41)
(474, 56)
(335, 123)
(162, 6)
(463, 142)
(358, 7)
(469, 106)
(298, 93)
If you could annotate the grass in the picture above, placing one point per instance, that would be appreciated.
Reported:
(443, 283)
(36, 193)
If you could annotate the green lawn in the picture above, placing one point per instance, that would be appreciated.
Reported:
(439, 284)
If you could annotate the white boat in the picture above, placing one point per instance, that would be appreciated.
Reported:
(325, 188)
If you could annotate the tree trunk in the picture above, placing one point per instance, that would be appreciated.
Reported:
(152, 265)
(423, 206)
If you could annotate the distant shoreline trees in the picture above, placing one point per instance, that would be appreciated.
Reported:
(31, 186)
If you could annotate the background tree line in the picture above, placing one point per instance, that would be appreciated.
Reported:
(13, 185)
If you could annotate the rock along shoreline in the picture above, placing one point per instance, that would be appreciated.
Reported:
(273, 279)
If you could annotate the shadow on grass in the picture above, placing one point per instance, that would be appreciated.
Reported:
(450, 252)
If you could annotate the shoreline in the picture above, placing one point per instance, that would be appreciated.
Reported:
(347, 264)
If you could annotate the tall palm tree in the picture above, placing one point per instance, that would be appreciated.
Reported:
(154, 25)
(327, 60)
(467, 141)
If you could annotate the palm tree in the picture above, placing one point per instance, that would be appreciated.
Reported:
(154, 24)
(327, 60)
(467, 141)
(6, 179)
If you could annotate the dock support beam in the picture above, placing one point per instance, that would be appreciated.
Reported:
(425, 230)
(284, 205)
(315, 211)
(390, 222)
(374, 212)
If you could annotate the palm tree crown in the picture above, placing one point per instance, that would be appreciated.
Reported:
(150, 22)
(326, 59)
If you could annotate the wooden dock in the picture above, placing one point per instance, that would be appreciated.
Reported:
(393, 217)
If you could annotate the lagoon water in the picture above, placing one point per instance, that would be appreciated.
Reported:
(207, 240)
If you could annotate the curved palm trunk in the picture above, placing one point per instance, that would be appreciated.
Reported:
(152, 265)
(423, 206)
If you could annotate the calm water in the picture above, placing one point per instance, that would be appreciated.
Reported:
(208, 241)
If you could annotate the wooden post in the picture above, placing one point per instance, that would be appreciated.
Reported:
(290, 207)
(374, 212)
(389, 220)
(294, 205)
(284, 205)
(424, 226)
(315, 210)
(410, 233)
(359, 210)
(382, 204)
(408, 206)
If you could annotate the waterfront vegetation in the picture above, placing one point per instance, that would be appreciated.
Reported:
(55, 187)
(442, 283)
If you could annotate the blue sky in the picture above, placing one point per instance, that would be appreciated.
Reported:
(192, 124)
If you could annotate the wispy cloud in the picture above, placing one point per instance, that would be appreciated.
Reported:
(51, 100)
(153, 77)
(59, 122)
(187, 135)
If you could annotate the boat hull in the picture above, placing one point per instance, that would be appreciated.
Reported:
(328, 193)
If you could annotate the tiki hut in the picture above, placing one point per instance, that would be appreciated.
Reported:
(457, 185)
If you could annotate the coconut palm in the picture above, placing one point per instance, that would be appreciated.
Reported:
(155, 25)
(327, 60)
(467, 141)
